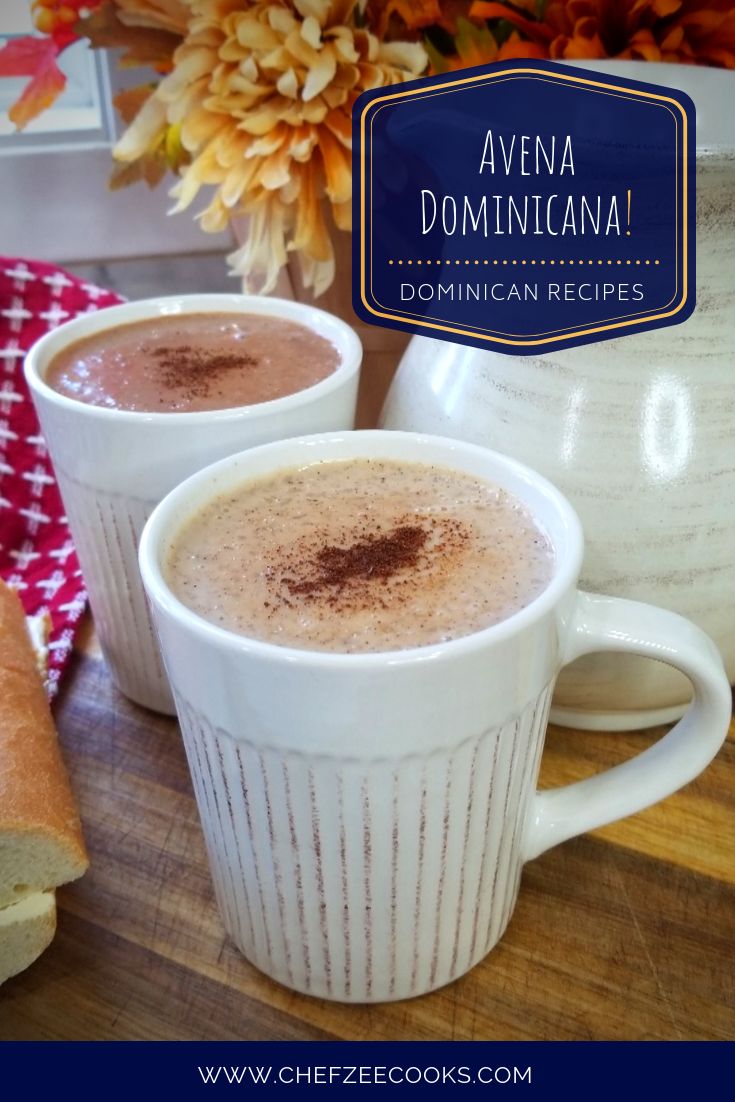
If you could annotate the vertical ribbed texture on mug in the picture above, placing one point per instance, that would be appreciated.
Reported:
(106, 530)
(365, 881)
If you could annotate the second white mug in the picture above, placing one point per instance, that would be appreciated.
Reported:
(114, 465)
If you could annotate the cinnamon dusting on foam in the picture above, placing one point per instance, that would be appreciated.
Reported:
(377, 568)
(376, 557)
(194, 372)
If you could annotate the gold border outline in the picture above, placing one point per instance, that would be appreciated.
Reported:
(542, 73)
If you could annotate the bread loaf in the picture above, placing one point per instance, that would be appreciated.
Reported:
(26, 929)
(41, 843)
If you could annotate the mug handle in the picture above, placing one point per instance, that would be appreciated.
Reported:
(613, 624)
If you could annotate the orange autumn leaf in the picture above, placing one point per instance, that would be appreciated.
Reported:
(475, 45)
(695, 31)
(414, 14)
(129, 101)
(517, 47)
(142, 45)
(149, 167)
(38, 95)
(481, 10)
(36, 58)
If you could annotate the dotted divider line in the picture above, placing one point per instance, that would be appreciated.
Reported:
(484, 262)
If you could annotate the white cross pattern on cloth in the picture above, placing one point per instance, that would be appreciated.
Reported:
(9, 355)
(35, 517)
(93, 292)
(38, 443)
(56, 282)
(16, 315)
(62, 553)
(8, 395)
(75, 608)
(51, 585)
(24, 555)
(20, 275)
(6, 433)
(54, 315)
(64, 642)
(39, 479)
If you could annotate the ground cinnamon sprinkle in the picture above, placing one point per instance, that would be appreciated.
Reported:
(373, 557)
(194, 370)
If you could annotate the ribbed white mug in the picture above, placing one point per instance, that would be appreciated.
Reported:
(113, 466)
(367, 816)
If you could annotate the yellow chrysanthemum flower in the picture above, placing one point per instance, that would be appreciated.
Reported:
(263, 93)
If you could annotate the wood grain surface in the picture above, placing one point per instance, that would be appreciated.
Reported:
(627, 933)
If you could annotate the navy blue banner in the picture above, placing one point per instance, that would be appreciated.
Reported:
(524, 206)
(566, 1070)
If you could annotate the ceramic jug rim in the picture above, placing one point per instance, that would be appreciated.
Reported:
(706, 85)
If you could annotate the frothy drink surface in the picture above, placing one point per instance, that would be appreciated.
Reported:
(360, 555)
(189, 362)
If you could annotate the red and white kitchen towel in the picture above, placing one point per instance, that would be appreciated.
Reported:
(37, 555)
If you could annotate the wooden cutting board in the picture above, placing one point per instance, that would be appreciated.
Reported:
(627, 933)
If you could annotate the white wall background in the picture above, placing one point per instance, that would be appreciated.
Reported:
(54, 201)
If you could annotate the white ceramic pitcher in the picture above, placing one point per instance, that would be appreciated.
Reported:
(639, 433)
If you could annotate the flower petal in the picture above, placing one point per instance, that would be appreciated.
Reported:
(311, 32)
(337, 167)
(143, 132)
(411, 57)
(274, 171)
(255, 35)
(342, 214)
(319, 76)
(288, 85)
(314, 9)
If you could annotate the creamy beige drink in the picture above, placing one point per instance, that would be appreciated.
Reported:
(360, 555)
(191, 362)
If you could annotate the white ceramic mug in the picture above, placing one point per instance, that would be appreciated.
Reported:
(367, 816)
(113, 466)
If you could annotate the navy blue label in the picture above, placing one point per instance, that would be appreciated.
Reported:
(574, 1071)
(524, 206)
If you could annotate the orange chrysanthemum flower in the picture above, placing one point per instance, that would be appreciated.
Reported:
(696, 31)
(475, 45)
